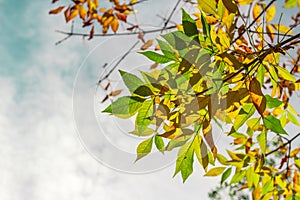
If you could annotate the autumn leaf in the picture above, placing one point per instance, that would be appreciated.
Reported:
(258, 99)
(114, 25)
(256, 12)
(92, 33)
(57, 10)
(270, 13)
(115, 93)
(82, 12)
(147, 44)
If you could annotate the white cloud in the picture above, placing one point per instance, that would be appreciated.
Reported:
(41, 156)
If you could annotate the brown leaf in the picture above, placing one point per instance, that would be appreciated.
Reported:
(53, 1)
(147, 45)
(92, 33)
(154, 65)
(157, 48)
(56, 11)
(67, 13)
(115, 93)
(131, 28)
(121, 17)
(141, 36)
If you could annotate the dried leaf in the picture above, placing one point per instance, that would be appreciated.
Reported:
(154, 66)
(92, 33)
(121, 17)
(147, 45)
(56, 11)
(53, 1)
(105, 98)
(107, 86)
(141, 36)
(115, 93)
(270, 32)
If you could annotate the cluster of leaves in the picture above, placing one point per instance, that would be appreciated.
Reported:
(91, 12)
(214, 73)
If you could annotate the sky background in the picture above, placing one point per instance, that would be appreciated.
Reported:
(42, 155)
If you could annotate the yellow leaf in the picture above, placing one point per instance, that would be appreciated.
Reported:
(271, 13)
(215, 171)
(282, 28)
(244, 2)
(211, 20)
(256, 11)
(114, 24)
(208, 6)
(73, 14)
(82, 12)
(56, 11)
(224, 39)
(270, 32)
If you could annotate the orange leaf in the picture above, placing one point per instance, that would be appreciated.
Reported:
(67, 13)
(121, 17)
(258, 99)
(56, 11)
(114, 24)
(73, 13)
(82, 12)
(92, 33)
(147, 45)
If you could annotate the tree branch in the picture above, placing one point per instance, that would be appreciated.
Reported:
(283, 145)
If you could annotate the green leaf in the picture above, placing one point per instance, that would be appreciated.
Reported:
(167, 50)
(222, 159)
(144, 148)
(143, 91)
(159, 143)
(237, 177)
(215, 171)
(260, 76)
(144, 116)
(274, 124)
(262, 140)
(201, 151)
(131, 81)
(292, 118)
(225, 175)
(185, 159)
(245, 113)
(286, 74)
(290, 3)
(189, 25)
(146, 132)
(272, 102)
(125, 107)
(205, 26)
(158, 58)
(178, 40)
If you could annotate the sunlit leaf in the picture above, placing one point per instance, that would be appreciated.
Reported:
(270, 13)
(114, 24)
(225, 175)
(144, 148)
(125, 107)
(159, 143)
(158, 58)
(290, 3)
(284, 73)
(144, 116)
(215, 171)
(262, 141)
(208, 6)
(256, 11)
(258, 99)
(274, 124)
(184, 161)
(272, 102)
(238, 176)
(281, 28)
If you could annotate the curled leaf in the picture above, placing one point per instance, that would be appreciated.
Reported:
(56, 11)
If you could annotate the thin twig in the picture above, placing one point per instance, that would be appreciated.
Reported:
(170, 16)
(254, 21)
(283, 145)
(119, 61)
